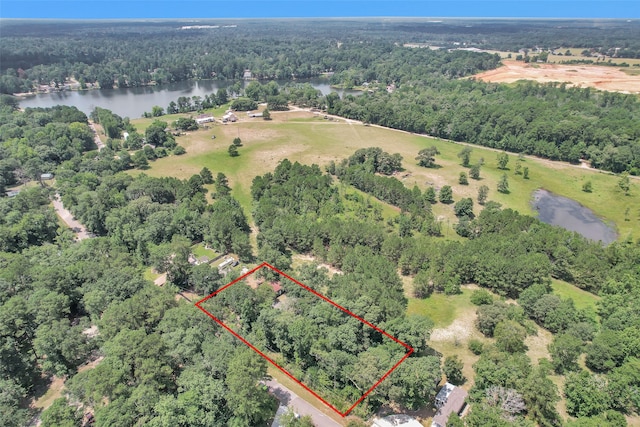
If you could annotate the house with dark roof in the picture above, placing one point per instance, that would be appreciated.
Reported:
(449, 399)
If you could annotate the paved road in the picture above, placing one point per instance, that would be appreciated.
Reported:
(299, 405)
(67, 217)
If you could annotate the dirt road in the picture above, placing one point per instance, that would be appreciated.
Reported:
(96, 137)
(299, 405)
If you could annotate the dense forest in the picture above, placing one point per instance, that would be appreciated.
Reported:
(133, 353)
(161, 363)
(134, 54)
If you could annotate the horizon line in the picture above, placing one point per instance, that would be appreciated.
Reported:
(526, 18)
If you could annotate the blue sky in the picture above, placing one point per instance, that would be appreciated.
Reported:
(100, 9)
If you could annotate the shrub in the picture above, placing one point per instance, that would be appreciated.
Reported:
(481, 297)
(476, 346)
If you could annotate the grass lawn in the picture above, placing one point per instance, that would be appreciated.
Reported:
(143, 123)
(54, 391)
(454, 317)
(442, 309)
(199, 250)
(582, 299)
(301, 136)
(149, 274)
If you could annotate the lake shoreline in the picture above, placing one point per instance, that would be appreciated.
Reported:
(133, 102)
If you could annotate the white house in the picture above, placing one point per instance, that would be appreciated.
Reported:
(229, 117)
(204, 118)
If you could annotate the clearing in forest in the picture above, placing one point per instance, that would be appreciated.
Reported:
(308, 138)
(600, 77)
(242, 311)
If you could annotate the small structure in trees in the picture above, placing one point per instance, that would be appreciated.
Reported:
(277, 288)
(449, 399)
(227, 264)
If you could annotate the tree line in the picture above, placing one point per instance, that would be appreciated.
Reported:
(547, 120)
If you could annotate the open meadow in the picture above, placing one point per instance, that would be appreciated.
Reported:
(310, 138)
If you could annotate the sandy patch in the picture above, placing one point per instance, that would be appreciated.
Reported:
(538, 345)
(310, 258)
(91, 332)
(253, 281)
(459, 331)
(604, 78)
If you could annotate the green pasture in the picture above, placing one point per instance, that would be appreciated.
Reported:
(442, 309)
(581, 298)
(199, 251)
(308, 139)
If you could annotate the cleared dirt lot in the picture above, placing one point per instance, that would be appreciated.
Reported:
(604, 78)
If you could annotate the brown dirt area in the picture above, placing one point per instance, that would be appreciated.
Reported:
(306, 258)
(603, 78)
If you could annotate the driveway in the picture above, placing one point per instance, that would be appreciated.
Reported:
(66, 216)
(299, 405)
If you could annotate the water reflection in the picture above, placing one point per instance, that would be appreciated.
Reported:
(133, 102)
(571, 215)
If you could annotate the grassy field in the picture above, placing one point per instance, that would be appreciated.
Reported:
(307, 138)
(576, 54)
(582, 299)
(442, 309)
(143, 123)
(454, 318)
(199, 251)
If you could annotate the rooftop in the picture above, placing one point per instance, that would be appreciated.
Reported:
(454, 402)
(396, 420)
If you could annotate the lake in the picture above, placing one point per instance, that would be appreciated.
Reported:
(571, 215)
(133, 102)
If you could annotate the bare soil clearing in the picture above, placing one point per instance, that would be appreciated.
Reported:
(603, 78)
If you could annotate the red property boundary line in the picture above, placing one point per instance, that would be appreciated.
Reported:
(410, 349)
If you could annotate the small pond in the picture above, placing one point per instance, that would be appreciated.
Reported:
(571, 215)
